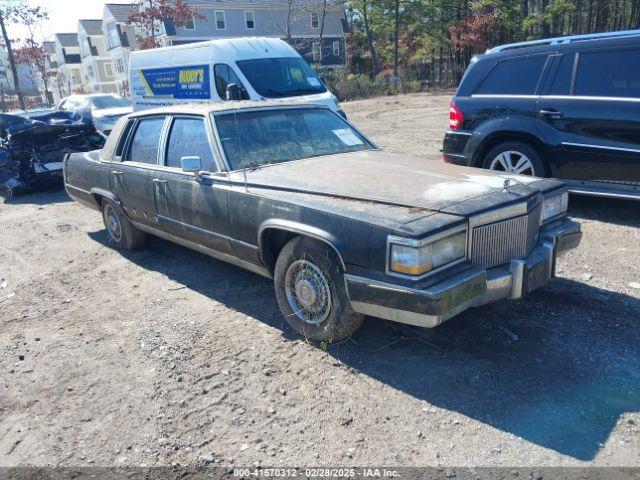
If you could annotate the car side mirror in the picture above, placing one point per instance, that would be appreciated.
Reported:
(234, 92)
(191, 164)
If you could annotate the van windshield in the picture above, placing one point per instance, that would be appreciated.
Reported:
(281, 77)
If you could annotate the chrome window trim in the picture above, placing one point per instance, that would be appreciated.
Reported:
(413, 242)
(500, 95)
(557, 97)
(602, 147)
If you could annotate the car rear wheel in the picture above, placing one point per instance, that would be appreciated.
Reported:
(311, 293)
(517, 158)
(120, 231)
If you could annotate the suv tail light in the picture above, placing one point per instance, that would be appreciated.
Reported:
(455, 117)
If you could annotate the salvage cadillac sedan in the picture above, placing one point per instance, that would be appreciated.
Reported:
(296, 193)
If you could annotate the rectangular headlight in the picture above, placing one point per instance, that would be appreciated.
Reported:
(412, 257)
(554, 206)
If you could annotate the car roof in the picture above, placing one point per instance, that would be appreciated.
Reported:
(205, 108)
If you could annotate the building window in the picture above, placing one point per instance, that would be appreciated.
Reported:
(113, 39)
(221, 23)
(84, 46)
(249, 20)
(108, 70)
(120, 65)
(191, 24)
(315, 21)
(336, 49)
(317, 51)
(90, 71)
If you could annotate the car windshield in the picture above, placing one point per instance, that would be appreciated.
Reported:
(253, 139)
(108, 101)
(281, 77)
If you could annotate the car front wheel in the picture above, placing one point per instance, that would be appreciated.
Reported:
(516, 158)
(311, 293)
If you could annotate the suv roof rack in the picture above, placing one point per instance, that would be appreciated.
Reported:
(564, 40)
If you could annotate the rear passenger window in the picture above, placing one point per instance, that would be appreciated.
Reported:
(614, 73)
(123, 138)
(144, 146)
(514, 77)
(188, 138)
(561, 84)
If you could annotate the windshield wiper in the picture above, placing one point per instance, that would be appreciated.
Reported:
(303, 91)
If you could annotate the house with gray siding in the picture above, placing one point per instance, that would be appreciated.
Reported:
(99, 70)
(299, 22)
(120, 40)
(70, 69)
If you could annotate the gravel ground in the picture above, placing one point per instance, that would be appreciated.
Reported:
(165, 356)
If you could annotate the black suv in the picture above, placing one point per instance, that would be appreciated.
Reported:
(565, 107)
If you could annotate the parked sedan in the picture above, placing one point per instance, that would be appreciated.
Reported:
(296, 193)
(105, 109)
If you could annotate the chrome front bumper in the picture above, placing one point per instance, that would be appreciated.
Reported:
(429, 307)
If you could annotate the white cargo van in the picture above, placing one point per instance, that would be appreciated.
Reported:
(217, 70)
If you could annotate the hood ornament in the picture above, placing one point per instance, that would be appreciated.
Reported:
(507, 185)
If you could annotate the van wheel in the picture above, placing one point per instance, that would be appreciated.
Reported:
(516, 158)
(311, 293)
(122, 234)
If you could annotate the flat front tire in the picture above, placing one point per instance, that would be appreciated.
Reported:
(311, 294)
(122, 234)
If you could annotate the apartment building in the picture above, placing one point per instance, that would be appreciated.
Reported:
(99, 70)
(298, 23)
(70, 69)
(120, 41)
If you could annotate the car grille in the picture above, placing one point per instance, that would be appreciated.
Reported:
(500, 242)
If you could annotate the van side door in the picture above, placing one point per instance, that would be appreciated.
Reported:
(591, 114)
(192, 206)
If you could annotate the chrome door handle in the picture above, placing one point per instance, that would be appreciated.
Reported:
(159, 181)
(116, 172)
(551, 113)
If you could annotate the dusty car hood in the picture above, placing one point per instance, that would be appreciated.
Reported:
(383, 177)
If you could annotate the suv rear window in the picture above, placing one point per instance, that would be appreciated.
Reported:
(513, 77)
(611, 73)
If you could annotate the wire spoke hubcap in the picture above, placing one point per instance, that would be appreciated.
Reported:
(513, 162)
(114, 227)
(308, 292)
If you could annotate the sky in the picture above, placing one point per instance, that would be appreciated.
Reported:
(64, 15)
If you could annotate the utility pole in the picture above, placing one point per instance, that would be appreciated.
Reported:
(12, 62)
(396, 40)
